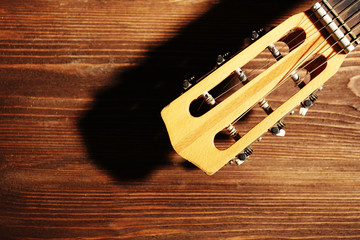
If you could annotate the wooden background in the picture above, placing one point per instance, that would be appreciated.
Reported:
(84, 153)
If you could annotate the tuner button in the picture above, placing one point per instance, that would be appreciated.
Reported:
(254, 35)
(242, 157)
(307, 103)
(303, 111)
(220, 59)
(275, 130)
(186, 84)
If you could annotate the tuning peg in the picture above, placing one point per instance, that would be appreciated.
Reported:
(307, 103)
(278, 130)
(221, 59)
(244, 155)
(275, 52)
(241, 75)
(187, 83)
(256, 34)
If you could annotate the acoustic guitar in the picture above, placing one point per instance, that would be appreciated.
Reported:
(306, 50)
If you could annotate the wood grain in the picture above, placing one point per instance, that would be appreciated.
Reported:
(84, 153)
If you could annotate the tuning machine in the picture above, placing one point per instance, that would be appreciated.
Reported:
(256, 34)
(187, 83)
(307, 103)
(221, 58)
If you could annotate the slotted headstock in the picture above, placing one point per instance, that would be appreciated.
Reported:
(319, 52)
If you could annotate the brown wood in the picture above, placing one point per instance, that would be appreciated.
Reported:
(84, 153)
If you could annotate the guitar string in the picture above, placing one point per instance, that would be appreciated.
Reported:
(251, 74)
(266, 65)
(295, 46)
(309, 73)
(299, 64)
(287, 77)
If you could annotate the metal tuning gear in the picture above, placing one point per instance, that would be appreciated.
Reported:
(210, 100)
(277, 130)
(187, 83)
(307, 103)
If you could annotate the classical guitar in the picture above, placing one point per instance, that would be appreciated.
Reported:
(317, 40)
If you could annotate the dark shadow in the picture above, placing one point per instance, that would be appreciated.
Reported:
(124, 132)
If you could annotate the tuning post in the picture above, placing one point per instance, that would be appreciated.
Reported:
(233, 132)
(276, 130)
(274, 51)
(265, 106)
(210, 100)
(241, 75)
(297, 80)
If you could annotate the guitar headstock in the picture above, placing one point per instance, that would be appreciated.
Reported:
(315, 45)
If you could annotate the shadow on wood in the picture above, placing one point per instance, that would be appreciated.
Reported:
(124, 132)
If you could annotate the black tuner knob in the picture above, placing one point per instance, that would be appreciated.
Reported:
(242, 156)
(257, 34)
(275, 130)
(220, 59)
(307, 103)
(187, 83)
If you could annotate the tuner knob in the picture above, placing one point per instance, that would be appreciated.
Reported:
(221, 59)
(244, 155)
(278, 129)
(257, 34)
(187, 83)
(307, 103)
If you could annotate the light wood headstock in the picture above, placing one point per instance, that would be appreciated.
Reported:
(193, 136)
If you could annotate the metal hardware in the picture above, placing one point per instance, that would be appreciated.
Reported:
(307, 103)
(221, 59)
(275, 52)
(245, 154)
(187, 83)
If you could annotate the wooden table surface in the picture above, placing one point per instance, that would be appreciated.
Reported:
(84, 153)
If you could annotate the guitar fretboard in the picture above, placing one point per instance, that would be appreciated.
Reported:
(341, 19)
